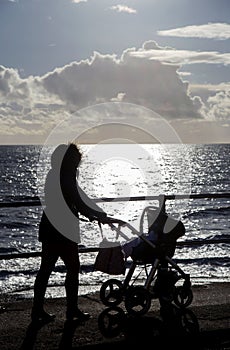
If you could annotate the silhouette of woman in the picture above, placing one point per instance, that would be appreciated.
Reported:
(59, 230)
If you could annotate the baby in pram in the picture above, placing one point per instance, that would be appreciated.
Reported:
(163, 232)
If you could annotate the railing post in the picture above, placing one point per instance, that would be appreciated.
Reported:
(162, 201)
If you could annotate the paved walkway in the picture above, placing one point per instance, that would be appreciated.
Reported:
(205, 324)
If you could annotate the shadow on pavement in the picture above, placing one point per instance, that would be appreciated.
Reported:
(66, 339)
(174, 328)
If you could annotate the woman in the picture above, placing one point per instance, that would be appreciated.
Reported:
(59, 230)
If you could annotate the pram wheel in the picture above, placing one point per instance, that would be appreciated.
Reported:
(182, 296)
(137, 301)
(110, 321)
(111, 292)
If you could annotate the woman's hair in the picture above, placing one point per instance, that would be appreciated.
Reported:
(66, 156)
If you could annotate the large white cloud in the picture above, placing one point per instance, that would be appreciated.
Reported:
(31, 107)
(130, 79)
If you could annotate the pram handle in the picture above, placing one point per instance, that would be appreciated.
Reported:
(134, 231)
(109, 220)
(112, 221)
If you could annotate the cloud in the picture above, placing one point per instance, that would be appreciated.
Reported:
(218, 106)
(78, 1)
(220, 31)
(216, 100)
(26, 108)
(207, 90)
(123, 8)
(31, 107)
(133, 79)
(153, 51)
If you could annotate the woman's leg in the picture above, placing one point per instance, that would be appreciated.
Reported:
(70, 257)
(48, 260)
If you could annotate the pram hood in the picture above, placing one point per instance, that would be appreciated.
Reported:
(163, 224)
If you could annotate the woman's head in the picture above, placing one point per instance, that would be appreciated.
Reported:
(66, 157)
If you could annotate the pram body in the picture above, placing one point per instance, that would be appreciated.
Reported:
(153, 253)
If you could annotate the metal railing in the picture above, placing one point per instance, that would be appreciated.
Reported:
(162, 198)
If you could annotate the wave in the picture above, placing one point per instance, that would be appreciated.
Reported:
(86, 268)
(19, 198)
(210, 239)
(218, 237)
(210, 211)
(14, 225)
(214, 261)
(5, 250)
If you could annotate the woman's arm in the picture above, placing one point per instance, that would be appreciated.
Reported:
(87, 206)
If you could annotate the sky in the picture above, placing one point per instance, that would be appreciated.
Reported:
(156, 69)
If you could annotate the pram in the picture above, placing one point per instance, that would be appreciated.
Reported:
(151, 252)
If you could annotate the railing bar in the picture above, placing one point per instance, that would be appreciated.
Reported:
(95, 249)
(167, 197)
(122, 199)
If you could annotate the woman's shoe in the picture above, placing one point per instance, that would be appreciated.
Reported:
(42, 317)
(77, 315)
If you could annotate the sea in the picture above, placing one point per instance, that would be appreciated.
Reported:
(119, 171)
